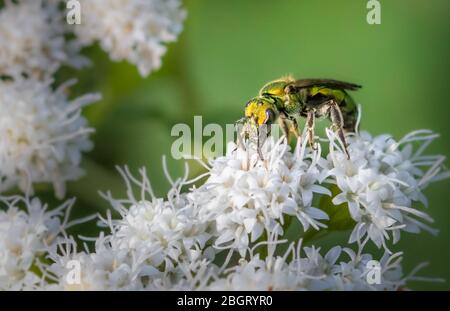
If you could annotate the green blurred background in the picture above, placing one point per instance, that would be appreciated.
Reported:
(229, 49)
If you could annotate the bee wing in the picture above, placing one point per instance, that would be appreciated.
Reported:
(304, 83)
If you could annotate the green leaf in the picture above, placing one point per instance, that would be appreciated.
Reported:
(340, 218)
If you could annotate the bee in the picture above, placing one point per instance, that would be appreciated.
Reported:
(286, 99)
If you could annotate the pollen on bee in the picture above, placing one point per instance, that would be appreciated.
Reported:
(256, 110)
(251, 109)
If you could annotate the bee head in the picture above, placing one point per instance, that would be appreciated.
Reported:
(261, 111)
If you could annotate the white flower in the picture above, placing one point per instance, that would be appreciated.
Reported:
(381, 181)
(43, 134)
(312, 272)
(109, 267)
(151, 247)
(330, 272)
(245, 195)
(132, 30)
(187, 276)
(168, 230)
(24, 236)
(165, 244)
(32, 39)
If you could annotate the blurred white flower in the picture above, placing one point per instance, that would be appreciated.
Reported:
(26, 228)
(312, 272)
(329, 273)
(43, 134)
(246, 196)
(381, 181)
(32, 39)
(132, 30)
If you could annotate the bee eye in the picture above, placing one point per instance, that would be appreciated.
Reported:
(270, 116)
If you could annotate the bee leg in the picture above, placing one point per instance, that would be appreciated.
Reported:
(284, 126)
(263, 132)
(294, 127)
(338, 122)
(310, 121)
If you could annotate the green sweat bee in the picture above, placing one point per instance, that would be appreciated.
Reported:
(286, 99)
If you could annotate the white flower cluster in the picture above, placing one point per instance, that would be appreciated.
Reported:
(109, 267)
(381, 181)
(32, 40)
(132, 30)
(246, 196)
(312, 272)
(42, 134)
(33, 34)
(26, 236)
(173, 243)
(168, 230)
(26, 229)
(146, 245)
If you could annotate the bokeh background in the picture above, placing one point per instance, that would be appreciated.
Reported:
(229, 49)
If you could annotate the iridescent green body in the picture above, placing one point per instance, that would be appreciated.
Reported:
(287, 98)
